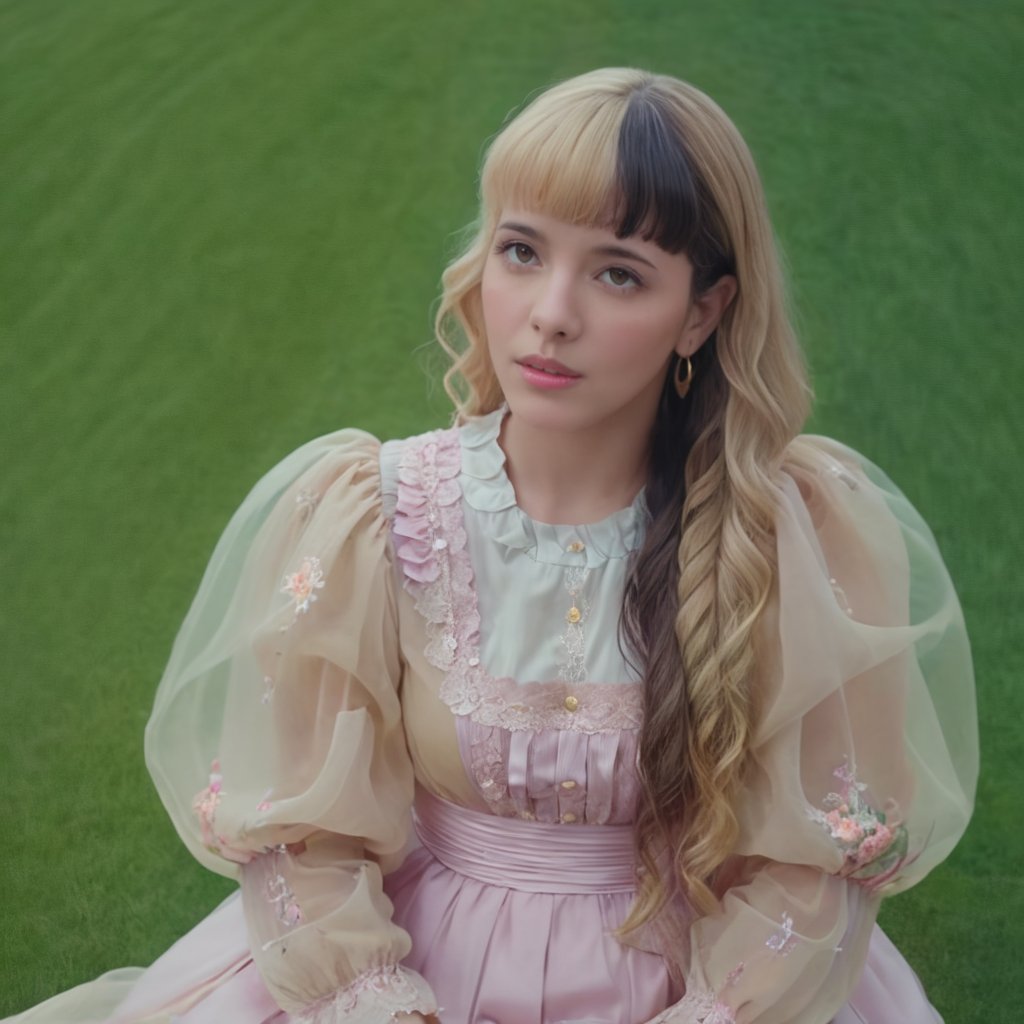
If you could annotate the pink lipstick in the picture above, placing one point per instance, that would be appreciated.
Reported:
(547, 373)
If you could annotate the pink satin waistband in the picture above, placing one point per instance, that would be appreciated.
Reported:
(534, 856)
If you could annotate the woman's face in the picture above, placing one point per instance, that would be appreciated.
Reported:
(581, 325)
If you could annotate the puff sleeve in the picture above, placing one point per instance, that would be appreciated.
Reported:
(864, 759)
(276, 740)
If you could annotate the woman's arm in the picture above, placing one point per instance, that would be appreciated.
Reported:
(863, 765)
(282, 695)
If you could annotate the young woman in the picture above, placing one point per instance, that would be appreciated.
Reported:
(660, 764)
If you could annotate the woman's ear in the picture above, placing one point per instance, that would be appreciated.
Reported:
(704, 314)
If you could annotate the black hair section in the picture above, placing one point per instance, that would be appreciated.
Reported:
(661, 196)
(663, 199)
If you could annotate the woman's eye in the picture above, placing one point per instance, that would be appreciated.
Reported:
(621, 278)
(517, 253)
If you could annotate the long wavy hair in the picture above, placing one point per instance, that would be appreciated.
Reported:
(651, 155)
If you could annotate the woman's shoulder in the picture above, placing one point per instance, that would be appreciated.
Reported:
(826, 482)
(859, 570)
(815, 460)
(348, 457)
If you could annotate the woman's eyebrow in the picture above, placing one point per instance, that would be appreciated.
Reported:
(602, 250)
(523, 229)
(618, 250)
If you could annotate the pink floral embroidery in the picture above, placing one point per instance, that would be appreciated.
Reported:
(205, 806)
(874, 844)
(697, 1007)
(782, 941)
(388, 989)
(430, 546)
(734, 975)
(279, 892)
(302, 585)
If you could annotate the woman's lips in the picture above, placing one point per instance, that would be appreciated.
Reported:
(548, 365)
(547, 374)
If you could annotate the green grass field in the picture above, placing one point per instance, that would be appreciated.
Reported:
(223, 226)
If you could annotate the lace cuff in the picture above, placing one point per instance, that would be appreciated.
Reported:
(696, 1008)
(376, 996)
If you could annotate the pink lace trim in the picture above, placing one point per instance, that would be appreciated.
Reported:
(389, 989)
(696, 1008)
(491, 773)
(430, 545)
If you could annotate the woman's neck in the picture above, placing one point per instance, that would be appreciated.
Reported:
(574, 477)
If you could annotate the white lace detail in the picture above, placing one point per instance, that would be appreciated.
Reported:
(574, 638)
(696, 1008)
(376, 996)
(430, 547)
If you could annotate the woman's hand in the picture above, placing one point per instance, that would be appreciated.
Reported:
(416, 1018)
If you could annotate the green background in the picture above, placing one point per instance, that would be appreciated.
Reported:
(223, 226)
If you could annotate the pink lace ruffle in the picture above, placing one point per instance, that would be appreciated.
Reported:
(374, 996)
(697, 1008)
(430, 546)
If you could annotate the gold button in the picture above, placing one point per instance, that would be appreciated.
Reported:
(571, 703)
(573, 615)
(576, 547)
(568, 817)
(569, 784)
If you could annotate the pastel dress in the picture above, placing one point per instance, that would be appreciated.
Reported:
(399, 714)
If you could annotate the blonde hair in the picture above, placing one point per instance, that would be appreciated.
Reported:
(651, 154)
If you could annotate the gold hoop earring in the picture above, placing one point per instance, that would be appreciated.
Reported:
(683, 386)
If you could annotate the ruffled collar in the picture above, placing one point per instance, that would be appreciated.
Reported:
(488, 491)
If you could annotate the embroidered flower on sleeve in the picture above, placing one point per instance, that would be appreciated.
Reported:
(874, 844)
(781, 942)
(302, 586)
(306, 502)
(205, 806)
(279, 893)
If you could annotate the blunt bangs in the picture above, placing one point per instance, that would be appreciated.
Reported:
(606, 160)
(658, 191)
(557, 162)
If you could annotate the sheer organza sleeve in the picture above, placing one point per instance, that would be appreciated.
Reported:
(864, 760)
(276, 740)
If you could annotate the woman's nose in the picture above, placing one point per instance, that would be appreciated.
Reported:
(556, 313)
